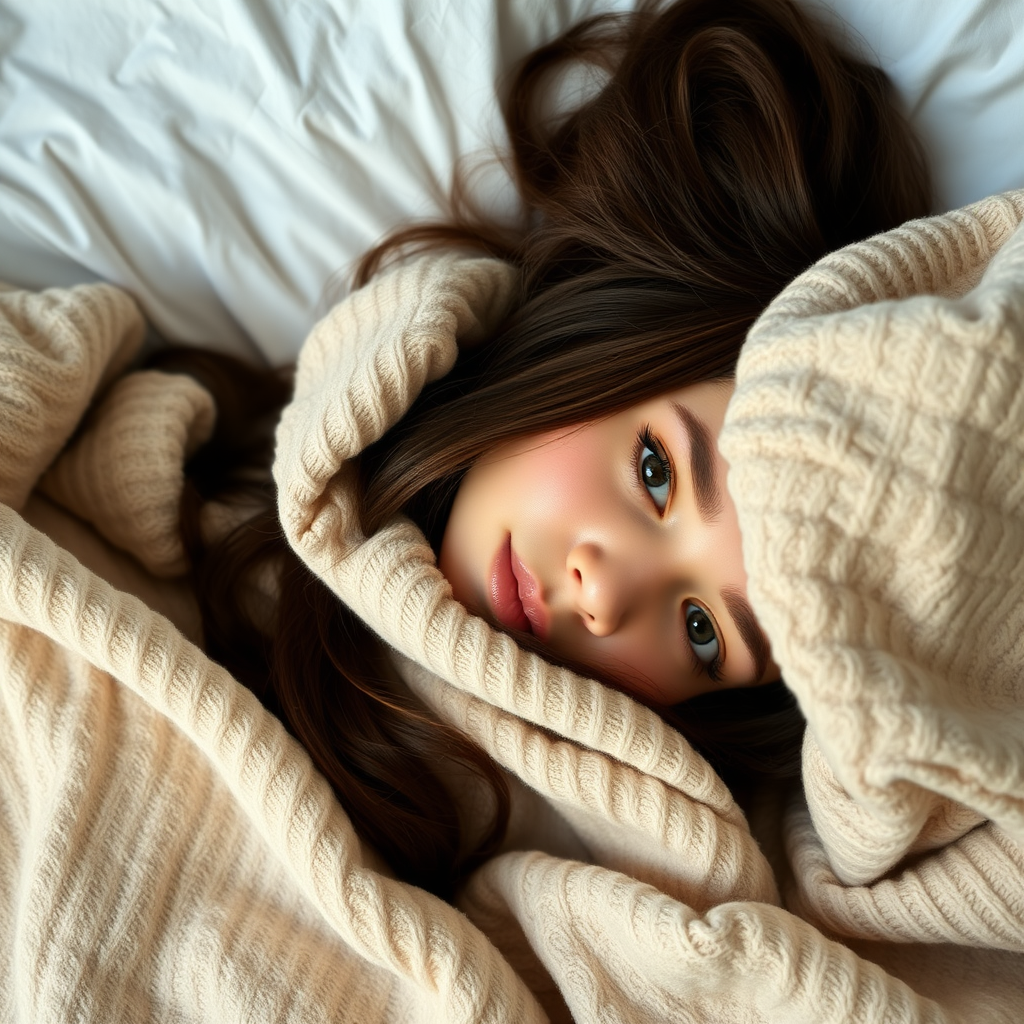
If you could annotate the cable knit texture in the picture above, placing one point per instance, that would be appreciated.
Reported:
(56, 349)
(876, 445)
(125, 471)
(168, 852)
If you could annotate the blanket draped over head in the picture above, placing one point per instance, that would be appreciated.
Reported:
(168, 852)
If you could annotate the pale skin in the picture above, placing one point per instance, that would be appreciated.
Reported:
(616, 543)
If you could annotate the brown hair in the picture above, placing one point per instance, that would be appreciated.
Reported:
(731, 146)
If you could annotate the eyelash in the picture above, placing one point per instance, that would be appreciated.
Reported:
(711, 668)
(646, 441)
(711, 671)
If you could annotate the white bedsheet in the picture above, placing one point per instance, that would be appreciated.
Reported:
(224, 160)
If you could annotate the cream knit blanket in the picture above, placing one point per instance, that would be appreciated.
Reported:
(167, 852)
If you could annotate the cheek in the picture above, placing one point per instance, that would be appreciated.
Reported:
(537, 489)
(473, 528)
(546, 479)
(554, 483)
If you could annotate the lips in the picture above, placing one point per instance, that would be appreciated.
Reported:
(529, 596)
(515, 594)
(504, 591)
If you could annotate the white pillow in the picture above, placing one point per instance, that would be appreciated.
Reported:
(958, 66)
(224, 161)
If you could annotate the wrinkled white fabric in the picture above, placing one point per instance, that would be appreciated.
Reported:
(226, 161)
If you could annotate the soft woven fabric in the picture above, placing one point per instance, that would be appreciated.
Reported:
(168, 852)
(125, 471)
(876, 441)
(56, 349)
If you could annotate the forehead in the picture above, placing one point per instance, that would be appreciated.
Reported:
(707, 400)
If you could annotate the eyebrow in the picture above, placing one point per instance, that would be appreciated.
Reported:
(703, 469)
(749, 629)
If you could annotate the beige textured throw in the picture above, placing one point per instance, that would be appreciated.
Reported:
(877, 451)
(56, 349)
(125, 471)
(168, 853)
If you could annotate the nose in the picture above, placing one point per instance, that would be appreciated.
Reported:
(599, 588)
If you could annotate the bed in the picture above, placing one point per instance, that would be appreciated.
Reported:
(168, 852)
(227, 163)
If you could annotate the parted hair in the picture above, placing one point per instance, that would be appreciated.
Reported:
(728, 146)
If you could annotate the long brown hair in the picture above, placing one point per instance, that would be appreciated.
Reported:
(731, 146)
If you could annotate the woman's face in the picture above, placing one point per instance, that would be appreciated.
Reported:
(616, 544)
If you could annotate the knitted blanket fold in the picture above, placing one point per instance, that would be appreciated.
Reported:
(167, 851)
(876, 444)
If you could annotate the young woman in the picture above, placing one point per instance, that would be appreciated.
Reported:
(566, 472)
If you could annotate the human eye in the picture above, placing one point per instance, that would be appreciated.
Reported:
(653, 469)
(703, 640)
